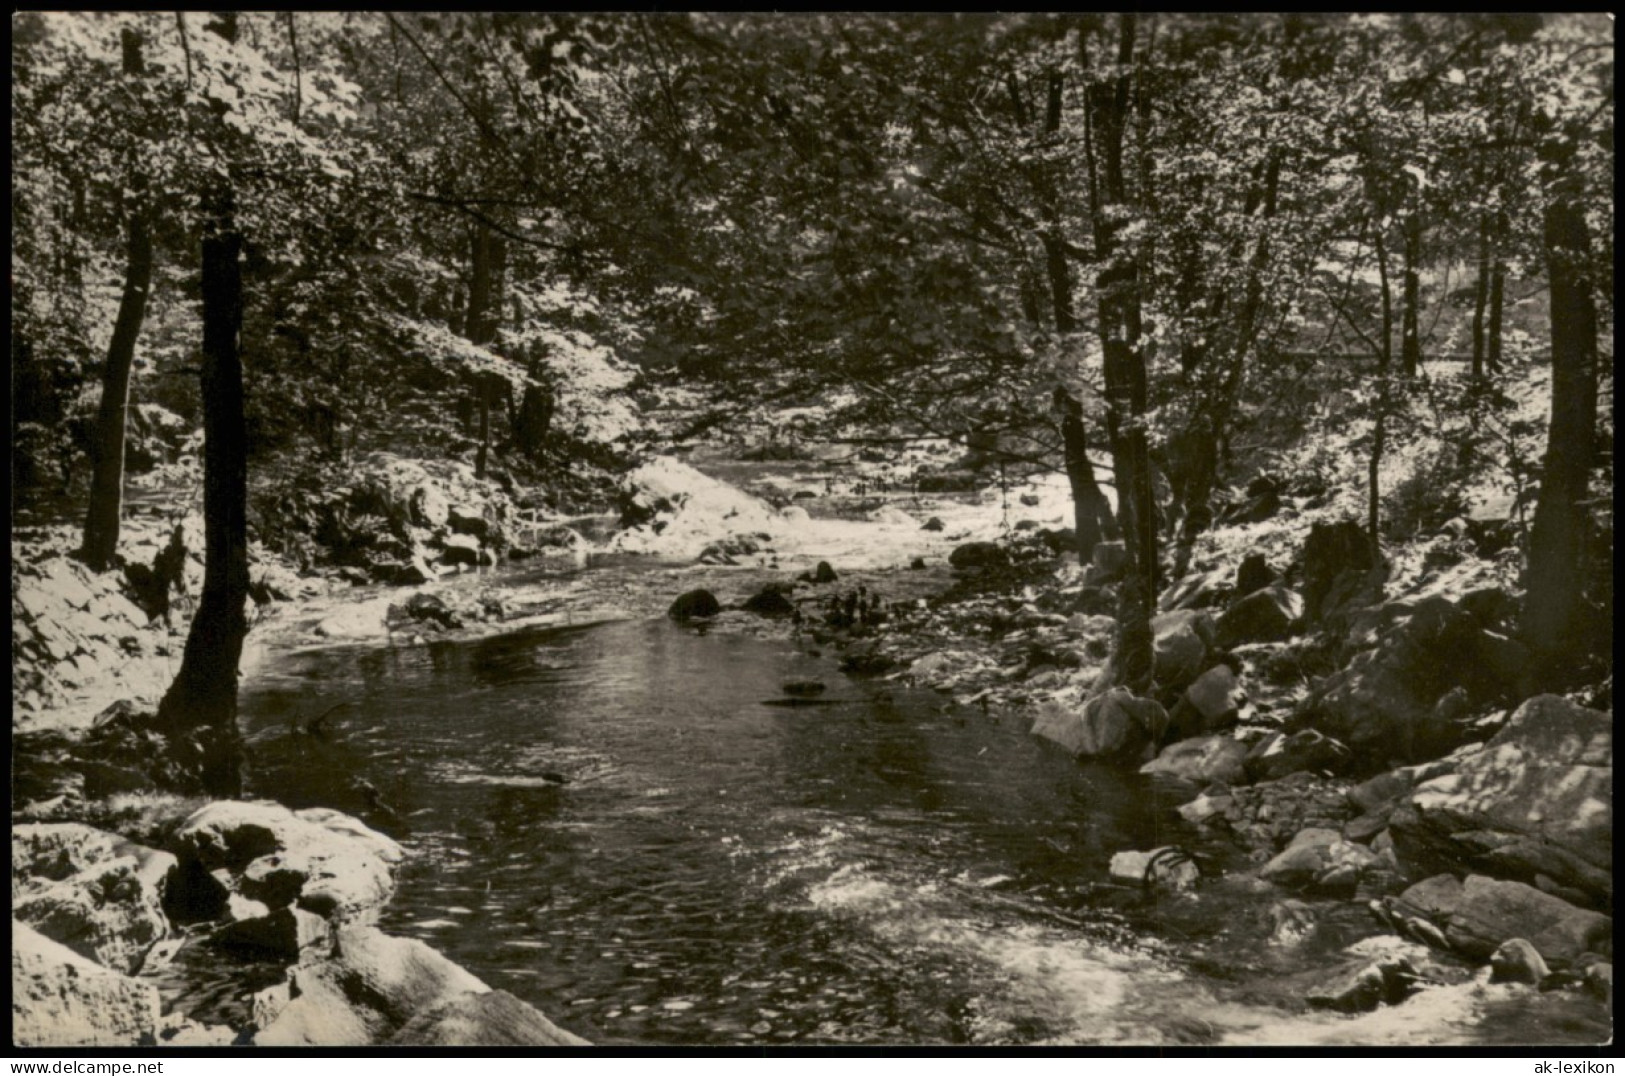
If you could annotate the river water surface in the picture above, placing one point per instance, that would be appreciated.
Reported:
(624, 824)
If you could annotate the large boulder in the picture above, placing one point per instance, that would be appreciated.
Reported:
(1534, 802)
(1481, 913)
(93, 892)
(1113, 724)
(1181, 642)
(1280, 754)
(771, 601)
(1203, 759)
(370, 987)
(1400, 702)
(1255, 573)
(693, 604)
(317, 860)
(1320, 860)
(1265, 615)
(978, 556)
(374, 989)
(1212, 702)
(493, 1018)
(1331, 551)
(61, 999)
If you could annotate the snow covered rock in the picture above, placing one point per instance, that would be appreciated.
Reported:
(673, 510)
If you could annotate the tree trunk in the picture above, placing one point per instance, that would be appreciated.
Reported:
(1410, 349)
(484, 393)
(1554, 577)
(533, 421)
(1118, 288)
(1092, 513)
(1498, 280)
(1481, 298)
(1379, 433)
(204, 694)
(107, 474)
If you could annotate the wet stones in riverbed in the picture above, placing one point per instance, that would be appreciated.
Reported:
(1517, 961)
(1377, 971)
(1477, 916)
(1168, 869)
(934, 524)
(820, 575)
(773, 600)
(695, 604)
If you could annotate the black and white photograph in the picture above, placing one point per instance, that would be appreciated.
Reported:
(781, 532)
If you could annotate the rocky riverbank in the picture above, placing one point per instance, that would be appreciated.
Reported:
(1365, 779)
(129, 893)
(1355, 742)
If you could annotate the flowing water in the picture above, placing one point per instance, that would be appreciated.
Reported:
(625, 824)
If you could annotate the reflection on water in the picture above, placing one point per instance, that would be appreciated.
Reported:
(607, 821)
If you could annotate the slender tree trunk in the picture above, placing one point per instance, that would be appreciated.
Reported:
(485, 429)
(107, 452)
(1481, 298)
(1410, 348)
(1498, 280)
(1379, 434)
(483, 318)
(107, 475)
(1092, 513)
(1554, 576)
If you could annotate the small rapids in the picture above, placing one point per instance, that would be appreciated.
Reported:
(606, 820)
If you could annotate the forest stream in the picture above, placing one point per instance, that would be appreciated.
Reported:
(627, 823)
